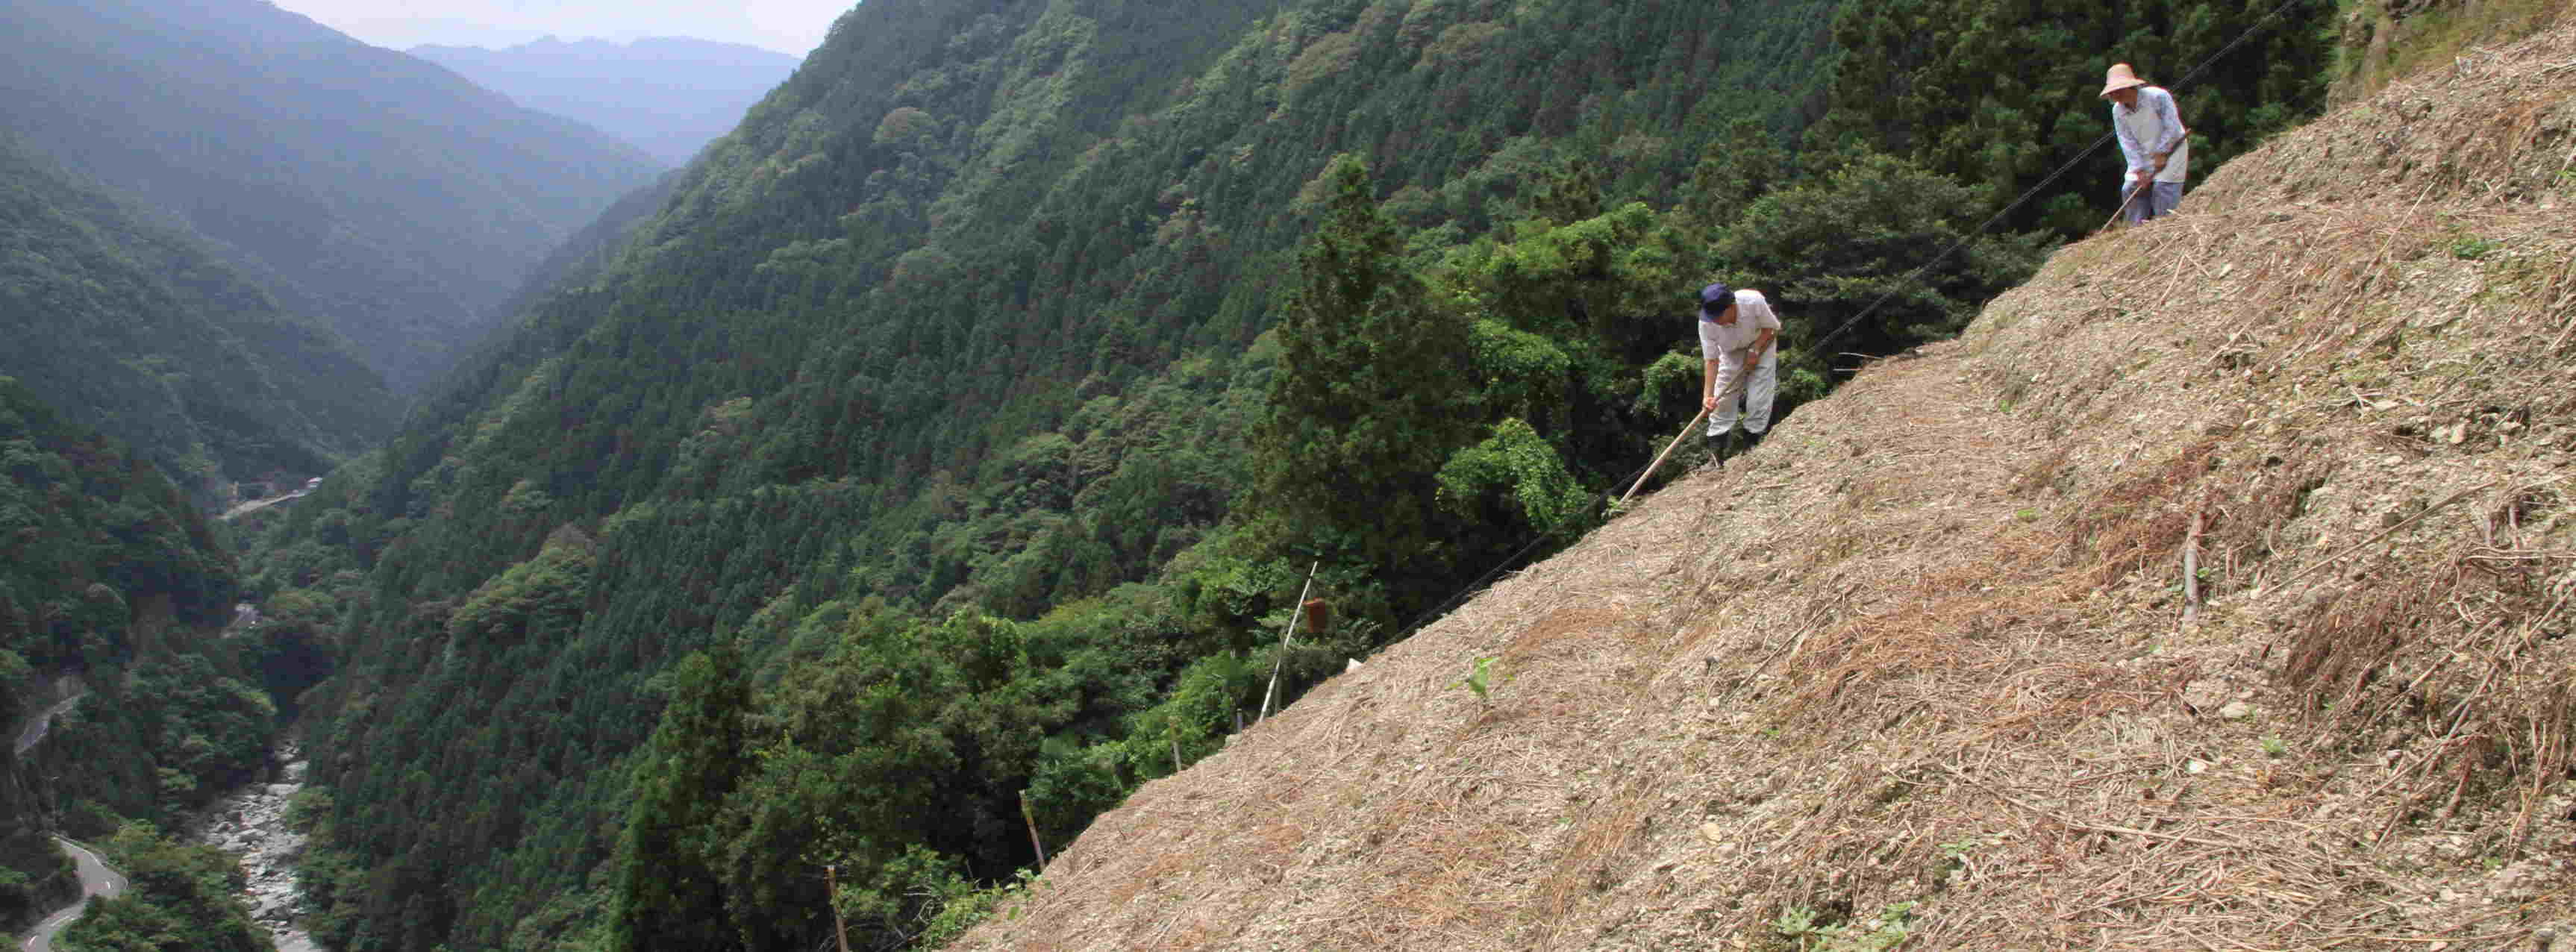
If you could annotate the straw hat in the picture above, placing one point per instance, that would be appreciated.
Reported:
(2120, 78)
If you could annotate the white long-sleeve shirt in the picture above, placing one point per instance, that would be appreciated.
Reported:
(2153, 125)
(1725, 343)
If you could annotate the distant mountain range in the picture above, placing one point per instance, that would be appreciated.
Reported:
(668, 95)
(393, 200)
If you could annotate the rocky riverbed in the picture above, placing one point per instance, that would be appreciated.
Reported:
(252, 824)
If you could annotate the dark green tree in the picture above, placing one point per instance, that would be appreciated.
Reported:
(1859, 257)
(1367, 405)
(669, 893)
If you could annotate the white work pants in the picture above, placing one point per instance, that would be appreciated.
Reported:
(1755, 400)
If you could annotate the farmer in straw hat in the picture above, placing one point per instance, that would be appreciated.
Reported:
(2154, 141)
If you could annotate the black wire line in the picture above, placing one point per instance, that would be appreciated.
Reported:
(1507, 562)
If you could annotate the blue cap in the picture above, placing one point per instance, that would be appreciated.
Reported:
(1718, 294)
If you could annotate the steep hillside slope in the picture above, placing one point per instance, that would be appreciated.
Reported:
(1926, 664)
(143, 333)
(356, 185)
(667, 95)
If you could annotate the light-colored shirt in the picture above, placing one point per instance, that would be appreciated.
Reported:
(2153, 126)
(1725, 343)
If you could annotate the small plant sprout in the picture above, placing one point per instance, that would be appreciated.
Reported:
(2274, 746)
(1806, 928)
(1482, 678)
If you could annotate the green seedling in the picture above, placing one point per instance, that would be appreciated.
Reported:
(1481, 678)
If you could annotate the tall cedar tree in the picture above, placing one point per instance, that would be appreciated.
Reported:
(668, 892)
(1368, 403)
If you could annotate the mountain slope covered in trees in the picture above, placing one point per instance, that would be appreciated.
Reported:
(953, 437)
(144, 333)
(357, 186)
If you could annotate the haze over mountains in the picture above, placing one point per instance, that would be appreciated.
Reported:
(667, 95)
(385, 196)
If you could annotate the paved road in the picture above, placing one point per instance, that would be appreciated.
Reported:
(255, 505)
(34, 733)
(96, 880)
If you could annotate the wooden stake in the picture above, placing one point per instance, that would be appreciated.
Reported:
(1033, 832)
(2191, 573)
(832, 888)
(1284, 635)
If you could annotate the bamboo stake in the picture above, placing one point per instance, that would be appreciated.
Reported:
(1033, 833)
(832, 888)
(1285, 634)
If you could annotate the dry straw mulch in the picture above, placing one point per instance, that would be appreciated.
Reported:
(1929, 643)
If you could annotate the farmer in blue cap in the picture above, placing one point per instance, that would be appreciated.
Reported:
(1740, 368)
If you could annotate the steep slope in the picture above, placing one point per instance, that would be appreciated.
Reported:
(356, 185)
(1924, 665)
(143, 333)
(668, 95)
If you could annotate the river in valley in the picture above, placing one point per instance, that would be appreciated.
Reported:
(251, 822)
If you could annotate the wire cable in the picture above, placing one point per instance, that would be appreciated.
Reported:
(2060, 172)
(2025, 197)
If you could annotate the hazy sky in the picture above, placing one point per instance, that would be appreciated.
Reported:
(788, 26)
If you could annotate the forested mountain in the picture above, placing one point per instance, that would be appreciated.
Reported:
(378, 193)
(952, 440)
(111, 586)
(144, 333)
(668, 95)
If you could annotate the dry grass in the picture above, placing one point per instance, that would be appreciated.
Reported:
(1926, 644)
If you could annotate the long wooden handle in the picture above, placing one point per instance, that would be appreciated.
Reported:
(1668, 451)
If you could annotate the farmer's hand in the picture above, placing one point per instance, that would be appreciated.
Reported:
(1710, 402)
(2160, 160)
(2144, 177)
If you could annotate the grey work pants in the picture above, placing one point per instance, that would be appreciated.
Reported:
(2159, 200)
(1755, 399)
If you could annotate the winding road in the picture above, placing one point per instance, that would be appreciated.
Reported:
(96, 880)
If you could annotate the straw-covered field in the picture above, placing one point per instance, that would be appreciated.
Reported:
(1928, 666)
